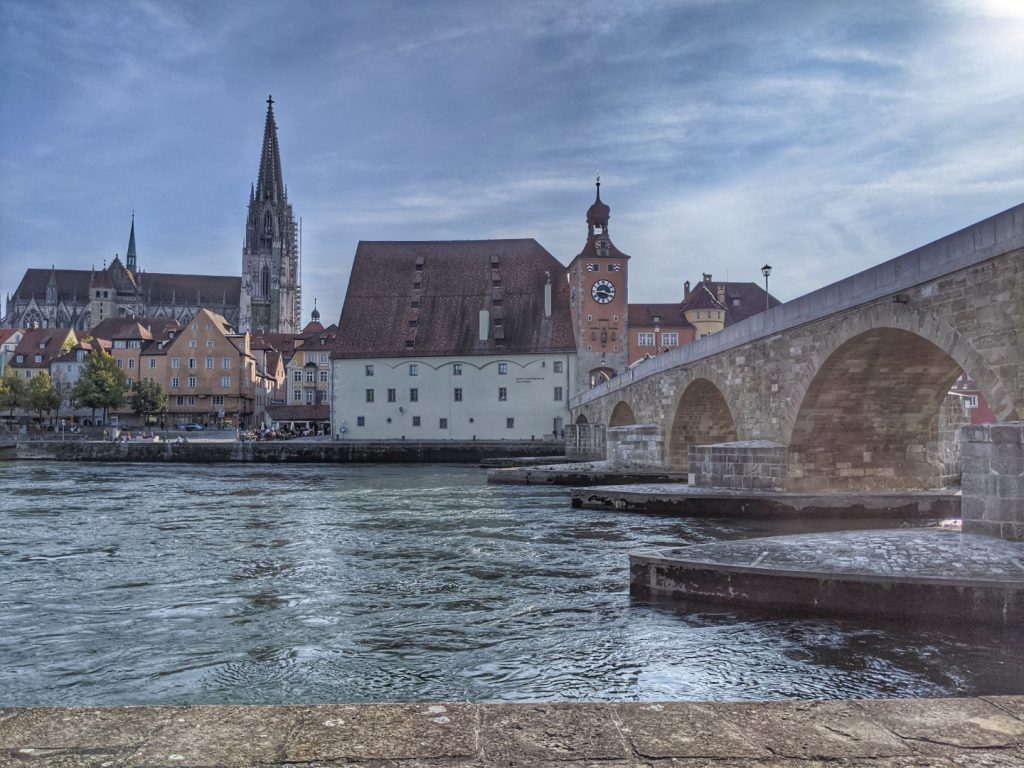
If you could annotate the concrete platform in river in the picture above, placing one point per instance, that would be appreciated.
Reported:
(690, 501)
(937, 733)
(583, 473)
(894, 574)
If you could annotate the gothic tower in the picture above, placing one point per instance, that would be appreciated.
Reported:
(271, 298)
(597, 293)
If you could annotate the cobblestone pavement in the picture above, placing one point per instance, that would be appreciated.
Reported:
(919, 553)
(933, 733)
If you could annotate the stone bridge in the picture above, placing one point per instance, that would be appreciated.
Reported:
(849, 380)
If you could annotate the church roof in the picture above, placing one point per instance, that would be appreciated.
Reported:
(196, 290)
(424, 299)
(71, 284)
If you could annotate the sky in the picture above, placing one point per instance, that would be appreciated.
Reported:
(819, 137)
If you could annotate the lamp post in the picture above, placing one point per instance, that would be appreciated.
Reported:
(766, 270)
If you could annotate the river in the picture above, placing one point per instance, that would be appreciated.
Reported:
(187, 584)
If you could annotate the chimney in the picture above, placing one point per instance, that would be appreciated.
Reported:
(547, 294)
(485, 324)
(721, 295)
(686, 289)
(707, 277)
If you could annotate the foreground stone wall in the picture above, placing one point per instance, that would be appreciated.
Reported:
(993, 480)
(743, 465)
(638, 445)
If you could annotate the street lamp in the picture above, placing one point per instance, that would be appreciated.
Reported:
(766, 270)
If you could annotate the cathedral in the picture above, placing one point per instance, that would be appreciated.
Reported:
(265, 298)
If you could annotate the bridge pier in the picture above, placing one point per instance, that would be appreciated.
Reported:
(993, 480)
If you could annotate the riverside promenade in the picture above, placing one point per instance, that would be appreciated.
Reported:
(933, 733)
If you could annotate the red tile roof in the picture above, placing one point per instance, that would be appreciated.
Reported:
(425, 298)
(46, 342)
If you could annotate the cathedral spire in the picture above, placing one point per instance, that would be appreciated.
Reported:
(130, 255)
(269, 184)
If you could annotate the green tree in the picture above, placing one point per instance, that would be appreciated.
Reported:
(42, 396)
(149, 398)
(101, 384)
(12, 392)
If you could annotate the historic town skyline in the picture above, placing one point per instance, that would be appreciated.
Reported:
(820, 139)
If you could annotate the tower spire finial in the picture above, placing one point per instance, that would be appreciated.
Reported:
(270, 100)
(130, 258)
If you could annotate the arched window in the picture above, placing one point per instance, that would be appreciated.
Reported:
(266, 222)
(265, 281)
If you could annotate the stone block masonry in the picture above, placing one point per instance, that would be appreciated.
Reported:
(993, 480)
(636, 445)
(749, 465)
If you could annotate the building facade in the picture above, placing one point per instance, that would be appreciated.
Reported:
(271, 299)
(453, 340)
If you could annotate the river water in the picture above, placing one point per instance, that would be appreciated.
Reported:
(155, 584)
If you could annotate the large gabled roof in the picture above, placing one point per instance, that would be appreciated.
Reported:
(424, 298)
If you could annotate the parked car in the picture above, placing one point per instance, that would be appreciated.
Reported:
(193, 427)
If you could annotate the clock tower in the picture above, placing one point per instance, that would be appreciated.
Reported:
(598, 296)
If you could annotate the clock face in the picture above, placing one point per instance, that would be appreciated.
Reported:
(603, 291)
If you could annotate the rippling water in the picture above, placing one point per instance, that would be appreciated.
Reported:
(146, 584)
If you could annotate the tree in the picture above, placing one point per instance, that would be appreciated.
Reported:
(12, 392)
(149, 398)
(42, 396)
(101, 384)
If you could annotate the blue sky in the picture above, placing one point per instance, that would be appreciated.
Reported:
(820, 137)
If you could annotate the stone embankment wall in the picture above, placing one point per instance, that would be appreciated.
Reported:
(993, 480)
(638, 445)
(947, 452)
(743, 465)
(326, 452)
(585, 442)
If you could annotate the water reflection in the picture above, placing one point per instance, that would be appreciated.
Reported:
(145, 584)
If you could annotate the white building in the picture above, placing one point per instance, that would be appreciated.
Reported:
(453, 340)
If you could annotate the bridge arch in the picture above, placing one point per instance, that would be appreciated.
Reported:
(702, 416)
(868, 414)
(582, 419)
(622, 415)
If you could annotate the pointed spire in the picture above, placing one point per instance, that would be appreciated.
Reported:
(270, 185)
(130, 256)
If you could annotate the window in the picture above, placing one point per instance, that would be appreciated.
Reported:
(192, 342)
(181, 400)
(558, 393)
(192, 382)
(414, 369)
(209, 363)
(218, 399)
(502, 369)
(502, 393)
(131, 363)
(369, 370)
(309, 395)
(120, 344)
(226, 363)
(670, 339)
(971, 401)
(510, 423)
(152, 362)
(175, 383)
(442, 424)
(130, 381)
(392, 395)
(369, 395)
(645, 339)
(415, 421)
(297, 377)
(310, 376)
(297, 395)
(309, 357)
(120, 362)
(458, 395)
(360, 421)
(323, 377)
(558, 366)
(323, 355)
(175, 362)
(456, 369)
(209, 343)
(414, 395)
(191, 362)
(225, 381)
